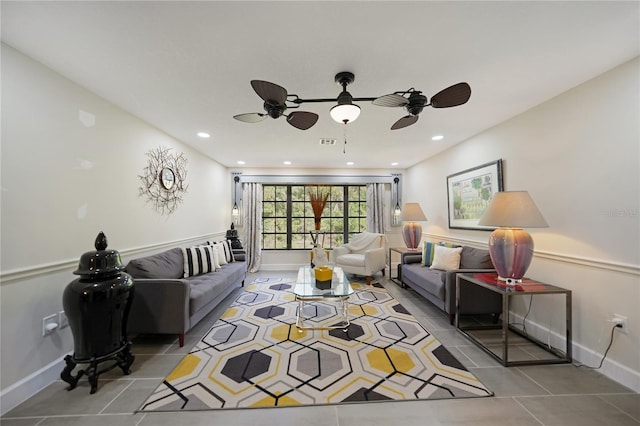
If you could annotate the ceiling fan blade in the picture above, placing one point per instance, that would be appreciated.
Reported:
(455, 95)
(405, 121)
(252, 117)
(302, 120)
(270, 92)
(391, 100)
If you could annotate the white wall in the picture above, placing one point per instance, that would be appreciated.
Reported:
(62, 183)
(579, 157)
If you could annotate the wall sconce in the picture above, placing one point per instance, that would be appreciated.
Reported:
(397, 211)
(235, 211)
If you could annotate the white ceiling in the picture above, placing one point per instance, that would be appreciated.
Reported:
(185, 66)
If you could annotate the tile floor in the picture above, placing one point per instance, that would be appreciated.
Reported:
(531, 395)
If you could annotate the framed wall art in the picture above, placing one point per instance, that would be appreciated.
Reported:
(469, 193)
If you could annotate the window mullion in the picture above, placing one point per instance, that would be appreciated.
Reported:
(289, 219)
(345, 218)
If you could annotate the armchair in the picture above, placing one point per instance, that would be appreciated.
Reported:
(364, 255)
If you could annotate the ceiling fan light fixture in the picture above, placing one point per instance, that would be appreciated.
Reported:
(345, 113)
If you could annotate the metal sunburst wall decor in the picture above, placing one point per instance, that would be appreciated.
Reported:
(164, 179)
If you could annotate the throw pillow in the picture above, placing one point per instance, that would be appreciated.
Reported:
(216, 257)
(222, 259)
(198, 260)
(228, 251)
(475, 258)
(427, 253)
(446, 259)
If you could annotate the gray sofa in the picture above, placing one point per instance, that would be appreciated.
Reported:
(166, 303)
(439, 287)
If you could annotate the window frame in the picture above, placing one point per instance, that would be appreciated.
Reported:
(352, 195)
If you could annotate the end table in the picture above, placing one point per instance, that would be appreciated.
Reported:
(489, 281)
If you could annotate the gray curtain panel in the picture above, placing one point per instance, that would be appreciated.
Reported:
(252, 200)
(375, 208)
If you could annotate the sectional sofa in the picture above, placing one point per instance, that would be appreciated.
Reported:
(439, 285)
(175, 289)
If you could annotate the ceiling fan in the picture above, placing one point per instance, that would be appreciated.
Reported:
(275, 104)
(455, 95)
(276, 97)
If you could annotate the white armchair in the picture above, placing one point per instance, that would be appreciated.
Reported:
(364, 255)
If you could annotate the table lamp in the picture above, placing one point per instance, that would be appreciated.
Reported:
(412, 230)
(510, 246)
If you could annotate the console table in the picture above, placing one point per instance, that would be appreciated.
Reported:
(489, 281)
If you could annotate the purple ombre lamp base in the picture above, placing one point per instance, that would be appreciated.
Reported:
(511, 250)
(412, 234)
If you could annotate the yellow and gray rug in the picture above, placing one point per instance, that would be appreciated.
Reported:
(254, 356)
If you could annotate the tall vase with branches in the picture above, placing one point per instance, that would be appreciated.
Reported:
(318, 200)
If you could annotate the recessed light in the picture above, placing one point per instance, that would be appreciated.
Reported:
(395, 163)
(204, 135)
(437, 138)
(350, 163)
(241, 162)
(286, 162)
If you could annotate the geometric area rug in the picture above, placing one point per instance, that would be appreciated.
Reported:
(254, 356)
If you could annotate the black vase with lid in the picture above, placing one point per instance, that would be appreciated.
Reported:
(97, 306)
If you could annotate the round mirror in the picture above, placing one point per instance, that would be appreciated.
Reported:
(167, 178)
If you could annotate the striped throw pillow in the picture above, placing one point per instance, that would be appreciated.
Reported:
(198, 260)
(228, 251)
(428, 250)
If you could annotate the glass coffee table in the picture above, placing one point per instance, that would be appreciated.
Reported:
(305, 290)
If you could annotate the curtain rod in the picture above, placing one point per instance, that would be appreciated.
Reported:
(316, 179)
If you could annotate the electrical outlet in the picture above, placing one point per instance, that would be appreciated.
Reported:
(621, 322)
(49, 324)
(62, 319)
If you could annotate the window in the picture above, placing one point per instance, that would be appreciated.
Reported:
(287, 216)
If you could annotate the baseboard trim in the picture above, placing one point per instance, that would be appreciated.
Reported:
(24, 389)
(280, 267)
(583, 355)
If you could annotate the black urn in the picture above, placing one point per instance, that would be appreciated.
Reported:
(232, 236)
(97, 305)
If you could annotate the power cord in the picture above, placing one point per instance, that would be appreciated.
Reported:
(613, 329)
(524, 319)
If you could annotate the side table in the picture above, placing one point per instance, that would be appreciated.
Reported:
(489, 281)
(402, 251)
(239, 254)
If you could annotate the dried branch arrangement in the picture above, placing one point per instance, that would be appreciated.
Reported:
(318, 200)
(165, 198)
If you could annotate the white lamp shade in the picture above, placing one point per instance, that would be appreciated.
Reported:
(345, 113)
(412, 212)
(513, 209)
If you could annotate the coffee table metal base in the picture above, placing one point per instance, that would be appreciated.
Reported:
(343, 309)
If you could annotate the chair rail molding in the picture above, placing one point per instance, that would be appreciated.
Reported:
(18, 274)
(626, 268)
